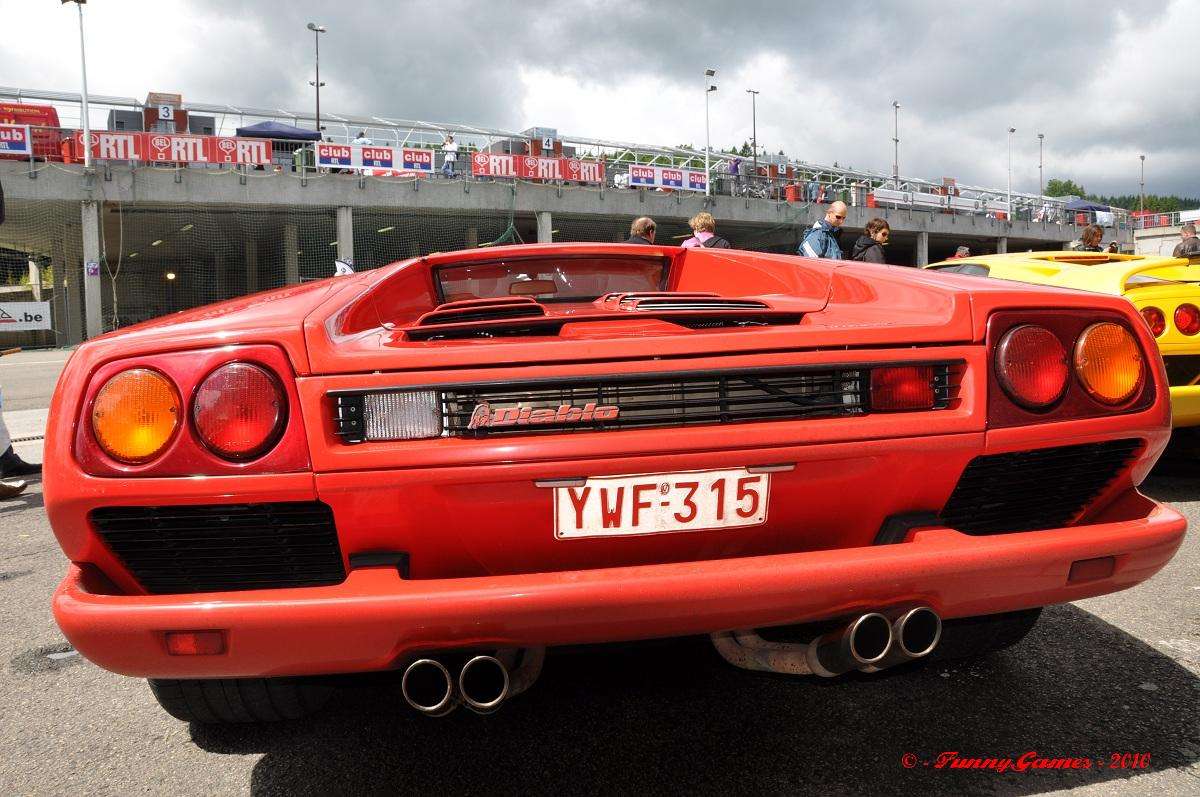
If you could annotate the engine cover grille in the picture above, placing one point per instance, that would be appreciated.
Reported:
(222, 547)
(1030, 490)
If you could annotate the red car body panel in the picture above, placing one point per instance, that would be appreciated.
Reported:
(486, 567)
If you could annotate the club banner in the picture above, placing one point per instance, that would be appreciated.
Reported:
(665, 177)
(15, 140)
(529, 167)
(363, 156)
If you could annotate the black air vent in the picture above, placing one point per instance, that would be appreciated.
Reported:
(222, 547)
(1182, 369)
(473, 310)
(1030, 490)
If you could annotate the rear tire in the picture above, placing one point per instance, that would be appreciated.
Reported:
(969, 637)
(230, 700)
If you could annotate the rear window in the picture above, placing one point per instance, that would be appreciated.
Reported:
(551, 279)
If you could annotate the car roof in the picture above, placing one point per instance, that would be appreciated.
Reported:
(1091, 271)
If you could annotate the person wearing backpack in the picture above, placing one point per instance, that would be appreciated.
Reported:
(704, 229)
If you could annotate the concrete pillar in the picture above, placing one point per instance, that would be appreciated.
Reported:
(251, 250)
(1002, 245)
(90, 233)
(345, 235)
(35, 279)
(922, 249)
(291, 258)
(545, 227)
(471, 241)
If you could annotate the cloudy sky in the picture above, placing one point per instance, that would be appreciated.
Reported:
(1104, 82)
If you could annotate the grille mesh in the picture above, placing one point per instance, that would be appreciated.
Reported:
(209, 548)
(1031, 490)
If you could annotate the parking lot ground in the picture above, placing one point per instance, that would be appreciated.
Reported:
(1101, 678)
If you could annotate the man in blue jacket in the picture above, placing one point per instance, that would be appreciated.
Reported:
(821, 240)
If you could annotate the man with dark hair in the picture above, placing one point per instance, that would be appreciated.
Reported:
(641, 231)
(1189, 244)
(869, 246)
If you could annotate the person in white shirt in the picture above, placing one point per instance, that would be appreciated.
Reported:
(362, 138)
(450, 155)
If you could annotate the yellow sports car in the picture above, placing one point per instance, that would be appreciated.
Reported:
(1166, 290)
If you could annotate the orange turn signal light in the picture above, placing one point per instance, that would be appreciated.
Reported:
(1109, 364)
(135, 415)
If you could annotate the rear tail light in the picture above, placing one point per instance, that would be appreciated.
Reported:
(907, 387)
(1187, 319)
(195, 643)
(1108, 362)
(1031, 365)
(1156, 320)
(135, 415)
(239, 411)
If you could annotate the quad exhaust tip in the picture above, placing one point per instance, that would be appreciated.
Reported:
(428, 687)
(917, 632)
(865, 642)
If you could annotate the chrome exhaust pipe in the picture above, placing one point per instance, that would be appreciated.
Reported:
(484, 684)
(428, 687)
(915, 633)
(863, 643)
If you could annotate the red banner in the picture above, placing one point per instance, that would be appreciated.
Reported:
(529, 167)
(107, 145)
(176, 148)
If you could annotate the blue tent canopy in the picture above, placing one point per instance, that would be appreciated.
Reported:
(1085, 204)
(278, 130)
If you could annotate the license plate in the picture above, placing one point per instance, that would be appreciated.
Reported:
(654, 503)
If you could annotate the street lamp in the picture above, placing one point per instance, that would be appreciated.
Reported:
(754, 127)
(87, 130)
(709, 88)
(1011, 130)
(1142, 184)
(1041, 182)
(317, 31)
(896, 142)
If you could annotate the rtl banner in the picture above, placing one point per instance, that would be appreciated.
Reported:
(529, 167)
(176, 148)
(363, 156)
(665, 177)
(15, 140)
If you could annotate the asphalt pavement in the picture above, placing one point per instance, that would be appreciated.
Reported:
(1096, 679)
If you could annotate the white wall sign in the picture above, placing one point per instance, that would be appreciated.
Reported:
(166, 113)
(24, 316)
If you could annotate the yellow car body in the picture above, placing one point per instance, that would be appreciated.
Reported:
(1164, 283)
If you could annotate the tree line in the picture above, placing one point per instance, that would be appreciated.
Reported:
(1157, 203)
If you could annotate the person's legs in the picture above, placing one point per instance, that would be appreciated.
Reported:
(10, 463)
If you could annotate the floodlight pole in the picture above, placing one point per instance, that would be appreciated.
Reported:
(896, 143)
(1142, 187)
(754, 127)
(1041, 180)
(317, 31)
(708, 89)
(1011, 130)
(87, 128)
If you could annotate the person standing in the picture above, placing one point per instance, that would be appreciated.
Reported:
(1090, 238)
(362, 139)
(449, 155)
(960, 253)
(641, 231)
(869, 246)
(1189, 244)
(821, 240)
(704, 233)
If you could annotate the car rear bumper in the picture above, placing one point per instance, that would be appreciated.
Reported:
(376, 619)
(1185, 405)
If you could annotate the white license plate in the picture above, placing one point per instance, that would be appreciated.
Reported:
(653, 503)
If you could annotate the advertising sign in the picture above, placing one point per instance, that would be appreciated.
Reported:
(416, 160)
(529, 167)
(370, 157)
(175, 148)
(24, 316)
(229, 149)
(113, 146)
(15, 140)
(666, 177)
(335, 155)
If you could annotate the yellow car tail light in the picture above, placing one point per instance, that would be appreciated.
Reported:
(135, 415)
(1109, 364)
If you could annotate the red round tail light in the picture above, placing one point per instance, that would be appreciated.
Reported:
(1155, 320)
(1031, 366)
(1187, 319)
(239, 411)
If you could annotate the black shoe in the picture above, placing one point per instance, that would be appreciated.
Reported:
(12, 488)
(12, 465)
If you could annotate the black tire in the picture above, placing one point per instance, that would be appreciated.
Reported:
(969, 637)
(228, 700)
